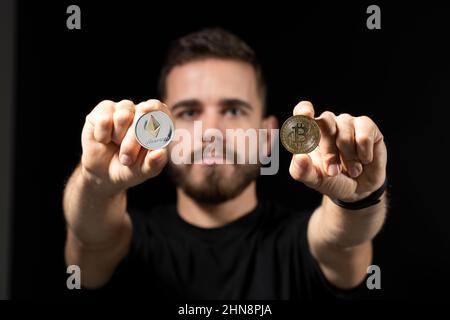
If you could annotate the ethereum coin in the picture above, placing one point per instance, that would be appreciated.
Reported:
(154, 130)
(300, 134)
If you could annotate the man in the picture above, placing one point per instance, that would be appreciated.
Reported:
(220, 241)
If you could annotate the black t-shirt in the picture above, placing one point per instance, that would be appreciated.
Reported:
(262, 255)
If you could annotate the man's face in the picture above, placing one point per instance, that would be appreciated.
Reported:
(222, 94)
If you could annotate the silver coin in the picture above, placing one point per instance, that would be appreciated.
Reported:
(154, 130)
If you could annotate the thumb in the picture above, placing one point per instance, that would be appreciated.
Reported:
(303, 170)
(304, 108)
(154, 162)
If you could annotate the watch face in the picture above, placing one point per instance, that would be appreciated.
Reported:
(154, 130)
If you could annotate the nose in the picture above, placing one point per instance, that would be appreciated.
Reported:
(212, 119)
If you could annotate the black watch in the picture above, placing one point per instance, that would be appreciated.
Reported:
(368, 201)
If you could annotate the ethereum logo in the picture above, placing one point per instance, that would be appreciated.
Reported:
(152, 127)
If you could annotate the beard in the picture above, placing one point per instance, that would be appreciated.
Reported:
(215, 183)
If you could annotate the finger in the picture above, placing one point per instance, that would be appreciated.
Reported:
(304, 108)
(129, 148)
(87, 135)
(366, 135)
(345, 141)
(327, 146)
(302, 169)
(154, 162)
(378, 165)
(101, 119)
(123, 118)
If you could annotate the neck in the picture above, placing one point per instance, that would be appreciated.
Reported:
(216, 215)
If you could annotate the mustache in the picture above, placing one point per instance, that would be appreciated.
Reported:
(199, 153)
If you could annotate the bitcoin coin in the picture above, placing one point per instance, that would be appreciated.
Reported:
(154, 130)
(300, 134)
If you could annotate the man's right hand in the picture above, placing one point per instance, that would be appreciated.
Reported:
(112, 159)
(99, 227)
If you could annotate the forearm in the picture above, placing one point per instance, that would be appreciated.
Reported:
(94, 217)
(340, 240)
(344, 228)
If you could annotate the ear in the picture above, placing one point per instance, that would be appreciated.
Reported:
(269, 123)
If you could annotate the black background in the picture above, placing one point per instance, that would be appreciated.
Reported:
(322, 52)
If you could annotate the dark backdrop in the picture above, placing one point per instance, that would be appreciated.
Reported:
(323, 52)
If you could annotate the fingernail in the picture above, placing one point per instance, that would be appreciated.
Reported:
(333, 170)
(354, 170)
(125, 160)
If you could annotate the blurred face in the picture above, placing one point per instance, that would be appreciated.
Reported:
(222, 94)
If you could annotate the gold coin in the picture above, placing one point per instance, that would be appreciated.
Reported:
(300, 134)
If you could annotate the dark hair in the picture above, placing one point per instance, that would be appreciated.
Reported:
(210, 43)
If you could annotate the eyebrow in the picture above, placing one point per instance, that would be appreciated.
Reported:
(195, 103)
(189, 103)
(235, 103)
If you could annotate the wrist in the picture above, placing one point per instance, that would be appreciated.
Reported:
(366, 201)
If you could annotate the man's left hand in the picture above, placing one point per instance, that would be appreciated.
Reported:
(350, 161)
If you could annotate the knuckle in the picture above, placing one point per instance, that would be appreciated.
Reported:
(154, 101)
(125, 105)
(344, 135)
(364, 140)
(303, 106)
(344, 117)
(154, 104)
(122, 117)
(126, 102)
(328, 115)
(365, 119)
(103, 120)
(147, 106)
(105, 104)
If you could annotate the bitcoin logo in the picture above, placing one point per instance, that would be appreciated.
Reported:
(300, 134)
